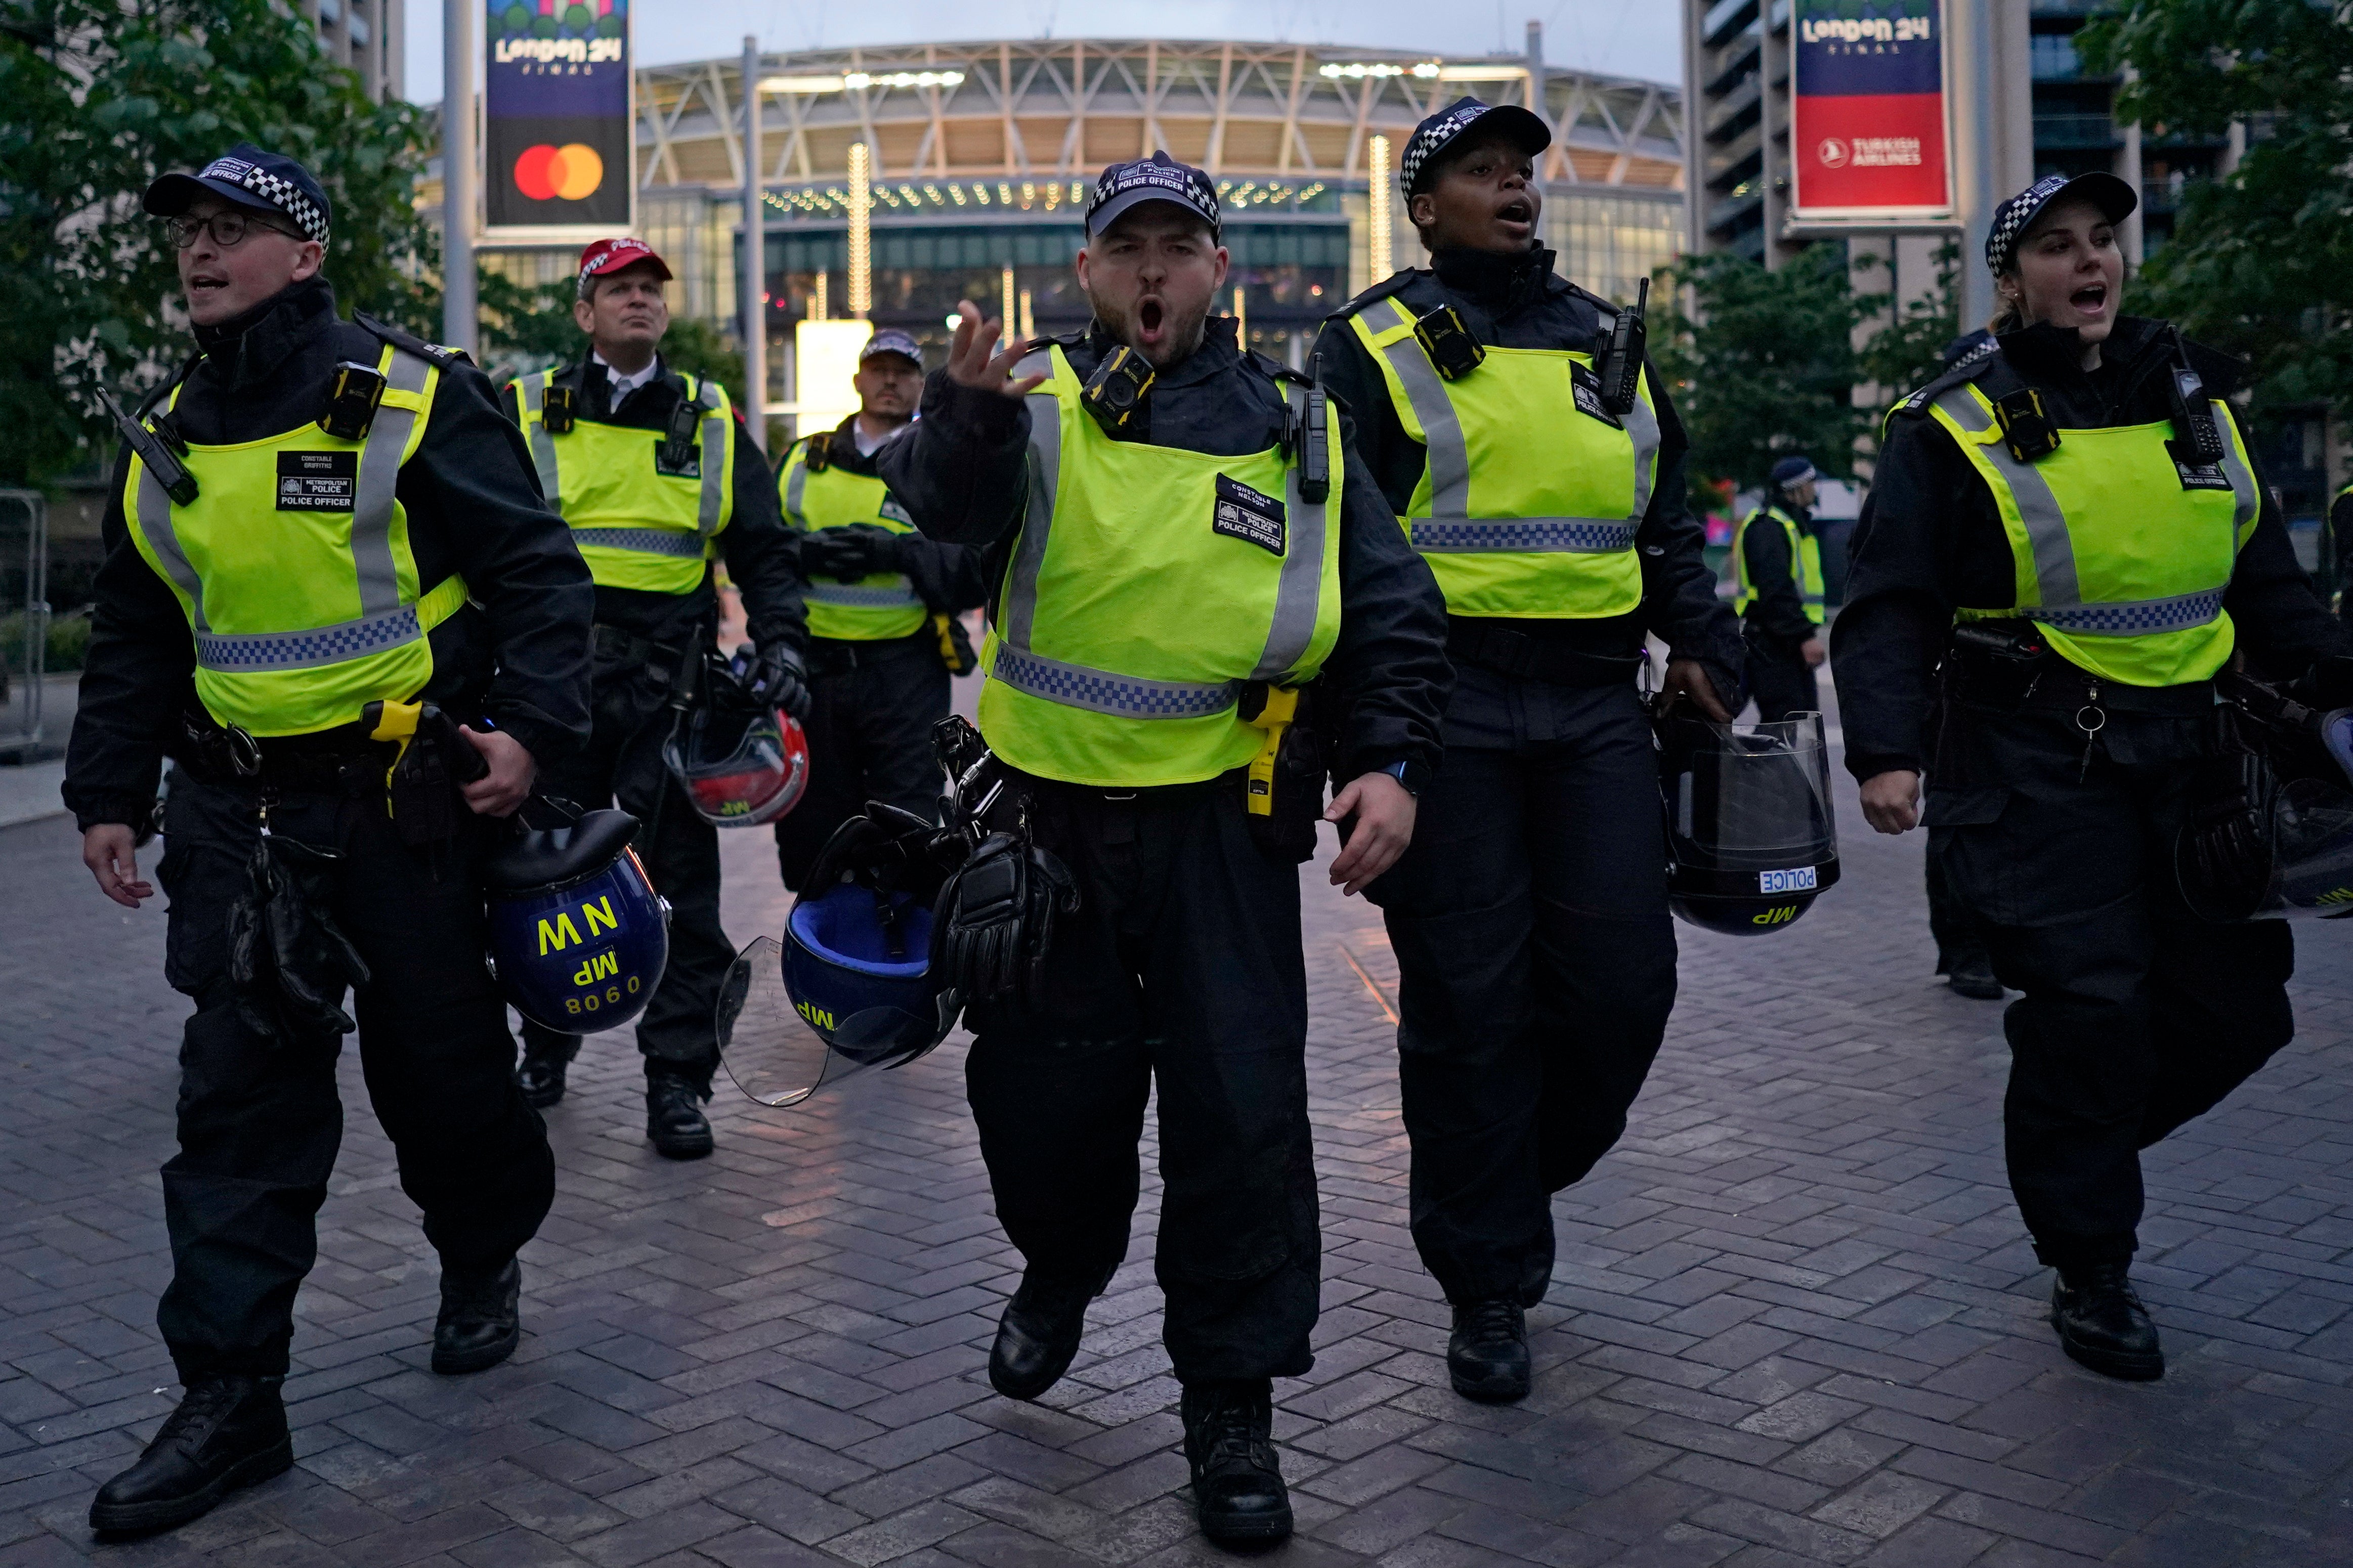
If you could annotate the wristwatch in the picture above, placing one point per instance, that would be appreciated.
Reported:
(1409, 774)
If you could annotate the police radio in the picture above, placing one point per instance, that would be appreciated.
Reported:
(1314, 449)
(351, 407)
(1621, 361)
(2197, 437)
(161, 460)
(1118, 387)
(1448, 342)
(678, 439)
(558, 406)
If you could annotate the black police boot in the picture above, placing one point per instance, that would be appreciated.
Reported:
(2103, 1325)
(481, 1319)
(1236, 1483)
(540, 1076)
(1972, 976)
(229, 1432)
(674, 1118)
(1487, 1355)
(1039, 1335)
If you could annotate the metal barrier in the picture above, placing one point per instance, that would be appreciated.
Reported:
(25, 590)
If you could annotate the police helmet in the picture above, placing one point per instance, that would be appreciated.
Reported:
(1750, 838)
(857, 964)
(739, 762)
(579, 936)
(2291, 858)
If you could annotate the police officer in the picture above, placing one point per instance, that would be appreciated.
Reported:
(1536, 960)
(657, 477)
(1777, 563)
(1178, 535)
(883, 603)
(2074, 528)
(322, 525)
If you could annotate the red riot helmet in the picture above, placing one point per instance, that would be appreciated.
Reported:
(741, 763)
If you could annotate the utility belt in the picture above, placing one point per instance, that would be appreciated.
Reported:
(2008, 664)
(1489, 646)
(836, 657)
(408, 754)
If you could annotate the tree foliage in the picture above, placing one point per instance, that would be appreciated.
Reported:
(97, 99)
(1762, 365)
(526, 328)
(1907, 350)
(2262, 259)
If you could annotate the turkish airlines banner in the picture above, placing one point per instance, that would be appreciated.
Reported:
(1867, 124)
(557, 128)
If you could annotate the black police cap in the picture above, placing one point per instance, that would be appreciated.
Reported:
(252, 177)
(2114, 196)
(1158, 178)
(1525, 130)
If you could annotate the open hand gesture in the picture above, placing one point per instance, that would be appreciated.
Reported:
(970, 362)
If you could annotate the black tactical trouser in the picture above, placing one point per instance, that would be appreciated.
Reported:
(1535, 971)
(623, 761)
(259, 1122)
(871, 709)
(2138, 1015)
(1950, 924)
(1182, 967)
(1781, 681)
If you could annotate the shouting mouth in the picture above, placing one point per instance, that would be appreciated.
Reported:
(1516, 212)
(1151, 318)
(2092, 299)
(205, 283)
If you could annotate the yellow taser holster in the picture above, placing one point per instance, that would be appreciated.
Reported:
(1275, 718)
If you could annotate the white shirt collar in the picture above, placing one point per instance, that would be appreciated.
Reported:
(625, 385)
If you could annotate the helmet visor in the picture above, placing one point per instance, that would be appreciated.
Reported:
(775, 1053)
(1754, 804)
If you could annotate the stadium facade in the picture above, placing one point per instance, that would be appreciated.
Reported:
(982, 153)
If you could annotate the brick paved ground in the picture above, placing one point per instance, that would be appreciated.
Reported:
(1793, 1321)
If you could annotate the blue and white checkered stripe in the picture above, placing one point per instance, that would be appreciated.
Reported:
(1521, 535)
(1101, 691)
(242, 653)
(844, 595)
(643, 541)
(2058, 589)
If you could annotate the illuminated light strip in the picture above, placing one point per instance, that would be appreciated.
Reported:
(1358, 71)
(861, 234)
(1379, 256)
(860, 82)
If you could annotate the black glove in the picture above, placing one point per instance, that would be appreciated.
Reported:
(288, 959)
(849, 553)
(778, 680)
(2327, 685)
(995, 922)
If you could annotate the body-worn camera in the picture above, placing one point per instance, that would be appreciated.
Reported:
(1118, 388)
(1447, 339)
(2026, 429)
(351, 407)
(558, 406)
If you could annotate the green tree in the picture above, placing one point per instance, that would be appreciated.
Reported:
(2261, 263)
(1907, 349)
(99, 97)
(1762, 365)
(526, 328)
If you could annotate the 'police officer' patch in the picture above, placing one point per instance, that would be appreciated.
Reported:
(1245, 514)
(317, 481)
(1586, 386)
(2201, 475)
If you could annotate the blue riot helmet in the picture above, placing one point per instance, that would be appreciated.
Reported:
(851, 987)
(1750, 838)
(579, 936)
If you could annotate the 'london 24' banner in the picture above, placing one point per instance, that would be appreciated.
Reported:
(557, 132)
(1867, 126)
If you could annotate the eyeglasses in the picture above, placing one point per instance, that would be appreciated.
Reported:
(229, 230)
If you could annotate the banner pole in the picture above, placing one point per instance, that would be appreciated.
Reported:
(460, 312)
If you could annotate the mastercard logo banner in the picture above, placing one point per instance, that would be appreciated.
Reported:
(571, 173)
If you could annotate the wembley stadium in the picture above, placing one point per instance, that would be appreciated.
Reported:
(980, 156)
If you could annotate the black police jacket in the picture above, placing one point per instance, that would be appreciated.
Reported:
(518, 652)
(1930, 541)
(947, 577)
(1520, 302)
(962, 474)
(1777, 616)
(763, 555)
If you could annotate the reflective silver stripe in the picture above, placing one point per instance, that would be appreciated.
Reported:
(543, 445)
(850, 598)
(1299, 590)
(796, 487)
(306, 650)
(1441, 428)
(155, 523)
(1099, 691)
(2133, 618)
(1045, 473)
(714, 464)
(1521, 535)
(644, 540)
(1451, 529)
(2046, 525)
(2056, 583)
(371, 500)
(2242, 482)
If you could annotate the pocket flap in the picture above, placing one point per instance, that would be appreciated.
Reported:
(1965, 807)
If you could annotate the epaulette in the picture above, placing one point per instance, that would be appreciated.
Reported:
(1396, 282)
(154, 398)
(438, 356)
(1268, 366)
(1609, 309)
(1967, 369)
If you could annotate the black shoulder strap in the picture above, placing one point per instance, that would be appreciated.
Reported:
(1991, 368)
(154, 399)
(1609, 310)
(1275, 370)
(435, 354)
(1395, 283)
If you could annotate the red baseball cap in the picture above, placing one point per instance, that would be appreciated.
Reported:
(606, 257)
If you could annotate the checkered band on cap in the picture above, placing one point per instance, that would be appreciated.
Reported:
(1427, 141)
(278, 192)
(2010, 219)
(1181, 183)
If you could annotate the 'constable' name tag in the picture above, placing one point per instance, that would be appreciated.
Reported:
(1244, 513)
(1586, 388)
(317, 481)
